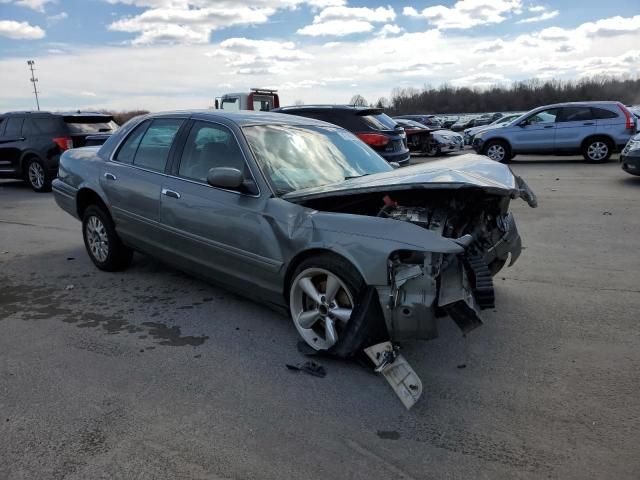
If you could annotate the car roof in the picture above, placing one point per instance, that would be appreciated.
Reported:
(244, 118)
(57, 114)
(589, 102)
(326, 108)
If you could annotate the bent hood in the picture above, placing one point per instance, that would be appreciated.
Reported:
(463, 171)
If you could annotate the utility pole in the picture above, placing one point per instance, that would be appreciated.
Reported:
(31, 63)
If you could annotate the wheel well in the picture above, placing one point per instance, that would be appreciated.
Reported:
(86, 197)
(25, 159)
(300, 257)
(606, 138)
(498, 139)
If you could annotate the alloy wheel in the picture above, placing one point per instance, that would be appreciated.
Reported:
(321, 306)
(597, 151)
(97, 238)
(496, 152)
(36, 175)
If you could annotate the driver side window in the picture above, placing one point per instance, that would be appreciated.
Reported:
(209, 146)
(545, 116)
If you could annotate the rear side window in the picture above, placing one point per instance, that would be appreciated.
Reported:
(575, 114)
(380, 121)
(2, 125)
(14, 126)
(601, 113)
(130, 146)
(41, 126)
(154, 147)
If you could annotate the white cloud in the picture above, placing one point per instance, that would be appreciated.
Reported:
(193, 21)
(390, 29)
(480, 80)
(57, 17)
(314, 71)
(337, 28)
(249, 56)
(188, 25)
(544, 15)
(37, 5)
(467, 13)
(20, 30)
(341, 21)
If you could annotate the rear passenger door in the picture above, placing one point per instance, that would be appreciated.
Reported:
(574, 124)
(11, 144)
(132, 180)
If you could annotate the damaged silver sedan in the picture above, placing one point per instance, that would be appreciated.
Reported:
(302, 215)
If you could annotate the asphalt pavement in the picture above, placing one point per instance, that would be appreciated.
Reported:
(152, 374)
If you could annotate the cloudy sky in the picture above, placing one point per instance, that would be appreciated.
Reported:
(168, 54)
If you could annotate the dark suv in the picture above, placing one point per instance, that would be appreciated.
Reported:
(31, 142)
(370, 125)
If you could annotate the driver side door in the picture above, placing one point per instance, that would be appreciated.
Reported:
(536, 133)
(218, 233)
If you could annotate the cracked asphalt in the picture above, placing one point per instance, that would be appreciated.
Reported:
(152, 374)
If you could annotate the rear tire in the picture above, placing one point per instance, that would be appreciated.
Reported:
(103, 244)
(319, 271)
(35, 174)
(498, 151)
(597, 150)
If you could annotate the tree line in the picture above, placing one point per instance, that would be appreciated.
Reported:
(518, 96)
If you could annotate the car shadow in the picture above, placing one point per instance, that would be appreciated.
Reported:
(14, 184)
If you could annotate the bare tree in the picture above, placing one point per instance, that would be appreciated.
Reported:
(519, 96)
(358, 101)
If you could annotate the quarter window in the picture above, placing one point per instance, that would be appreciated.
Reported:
(601, 113)
(209, 146)
(154, 147)
(130, 146)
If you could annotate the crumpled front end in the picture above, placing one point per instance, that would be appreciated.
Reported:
(425, 285)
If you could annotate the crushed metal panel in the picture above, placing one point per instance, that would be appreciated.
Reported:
(397, 371)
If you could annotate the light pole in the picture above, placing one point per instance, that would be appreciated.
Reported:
(31, 63)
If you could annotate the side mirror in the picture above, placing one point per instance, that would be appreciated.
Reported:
(524, 123)
(225, 177)
(394, 164)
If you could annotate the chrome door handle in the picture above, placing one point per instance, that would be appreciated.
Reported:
(170, 193)
(110, 176)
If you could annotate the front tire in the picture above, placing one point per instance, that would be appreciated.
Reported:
(498, 151)
(597, 150)
(36, 176)
(433, 150)
(103, 244)
(323, 297)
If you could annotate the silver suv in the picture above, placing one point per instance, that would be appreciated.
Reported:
(594, 129)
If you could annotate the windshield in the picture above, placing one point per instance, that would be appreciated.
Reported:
(297, 157)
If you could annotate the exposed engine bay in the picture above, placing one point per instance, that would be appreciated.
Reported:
(422, 285)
